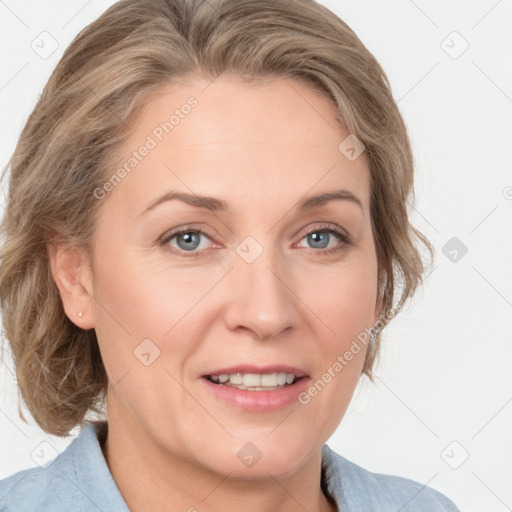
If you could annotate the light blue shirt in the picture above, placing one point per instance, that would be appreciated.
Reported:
(79, 479)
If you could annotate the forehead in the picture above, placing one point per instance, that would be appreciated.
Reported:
(276, 139)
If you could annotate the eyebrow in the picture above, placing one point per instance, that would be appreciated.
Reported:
(218, 205)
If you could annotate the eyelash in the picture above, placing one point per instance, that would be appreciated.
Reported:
(345, 239)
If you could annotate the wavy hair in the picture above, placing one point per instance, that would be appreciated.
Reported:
(108, 73)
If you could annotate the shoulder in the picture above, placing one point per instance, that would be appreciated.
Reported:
(23, 491)
(36, 488)
(75, 480)
(356, 488)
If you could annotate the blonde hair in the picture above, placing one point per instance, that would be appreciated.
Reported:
(111, 69)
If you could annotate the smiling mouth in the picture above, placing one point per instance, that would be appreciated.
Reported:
(255, 381)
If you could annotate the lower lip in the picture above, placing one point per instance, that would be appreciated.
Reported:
(259, 401)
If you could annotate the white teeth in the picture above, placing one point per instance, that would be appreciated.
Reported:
(251, 379)
(269, 379)
(255, 380)
(236, 378)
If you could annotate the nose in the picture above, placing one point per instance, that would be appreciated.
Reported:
(260, 297)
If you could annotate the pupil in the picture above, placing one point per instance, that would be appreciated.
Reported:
(315, 237)
(189, 237)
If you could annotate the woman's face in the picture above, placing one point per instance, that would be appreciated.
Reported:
(256, 284)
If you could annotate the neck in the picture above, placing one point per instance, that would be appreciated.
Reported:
(172, 484)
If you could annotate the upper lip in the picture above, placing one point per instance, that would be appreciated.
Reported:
(251, 368)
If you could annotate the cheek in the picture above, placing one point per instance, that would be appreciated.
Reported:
(131, 291)
(344, 302)
(144, 325)
(343, 298)
(138, 298)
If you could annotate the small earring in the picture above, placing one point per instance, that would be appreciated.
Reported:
(80, 314)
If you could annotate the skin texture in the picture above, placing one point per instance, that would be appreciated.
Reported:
(172, 444)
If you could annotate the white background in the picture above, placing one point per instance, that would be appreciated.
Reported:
(445, 374)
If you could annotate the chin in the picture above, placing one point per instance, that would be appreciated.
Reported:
(262, 459)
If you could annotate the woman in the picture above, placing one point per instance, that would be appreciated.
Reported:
(205, 225)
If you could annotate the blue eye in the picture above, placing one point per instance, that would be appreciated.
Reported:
(188, 241)
(320, 237)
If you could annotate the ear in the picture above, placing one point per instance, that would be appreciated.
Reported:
(72, 275)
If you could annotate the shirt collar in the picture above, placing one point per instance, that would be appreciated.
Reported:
(92, 472)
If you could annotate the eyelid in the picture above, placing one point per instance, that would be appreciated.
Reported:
(186, 228)
(343, 235)
(169, 235)
(345, 238)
